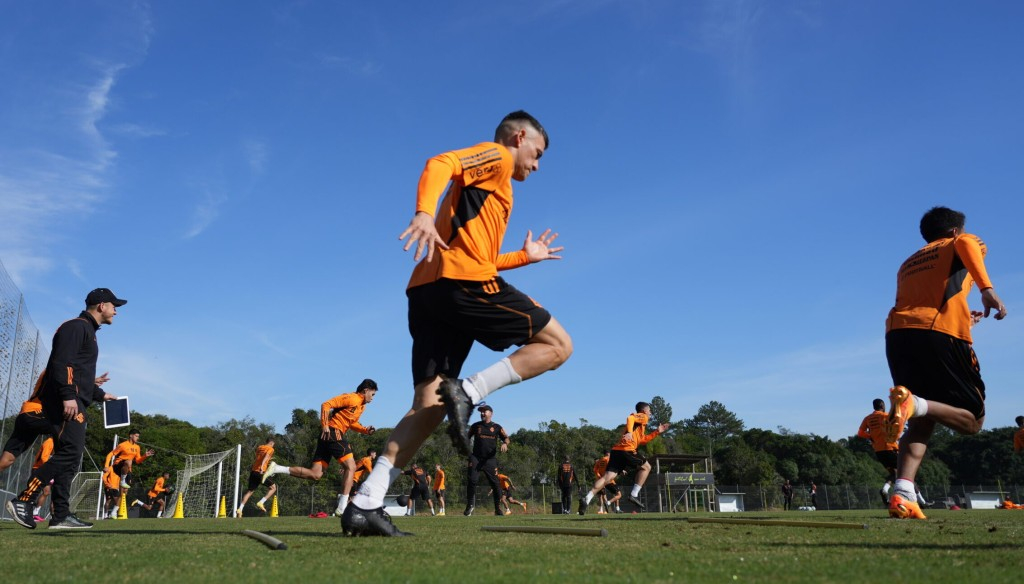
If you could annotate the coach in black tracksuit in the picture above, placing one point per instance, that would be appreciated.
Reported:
(566, 479)
(69, 386)
(485, 435)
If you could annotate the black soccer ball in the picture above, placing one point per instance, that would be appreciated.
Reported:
(403, 500)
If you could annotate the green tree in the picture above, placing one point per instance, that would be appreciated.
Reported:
(712, 424)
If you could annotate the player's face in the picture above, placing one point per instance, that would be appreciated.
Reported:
(485, 416)
(107, 312)
(528, 154)
(369, 393)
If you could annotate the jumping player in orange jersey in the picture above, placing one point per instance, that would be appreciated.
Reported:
(456, 297)
(624, 456)
(337, 415)
(125, 456)
(264, 452)
(935, 372)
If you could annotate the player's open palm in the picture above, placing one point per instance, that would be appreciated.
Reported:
(540, 249)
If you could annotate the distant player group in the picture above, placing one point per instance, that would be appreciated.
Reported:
(456, 298)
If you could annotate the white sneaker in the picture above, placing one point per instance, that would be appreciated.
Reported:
(271, 469)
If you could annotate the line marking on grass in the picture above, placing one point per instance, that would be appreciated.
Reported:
(779, 522)
(271, 542)
(547, 530)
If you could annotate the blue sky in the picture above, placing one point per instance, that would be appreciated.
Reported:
(735, 183)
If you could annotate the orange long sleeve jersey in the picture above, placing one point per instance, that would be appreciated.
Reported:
(473, 215)
(873, 428)
(636, 428)
(932, 286)
(506, 483)
(158, 487)
(263, 454)
(341, 414)
(125, 451)
(363, 467)
(111, 480)
(32, 405)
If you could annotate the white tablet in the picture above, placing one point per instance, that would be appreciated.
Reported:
(115, 413)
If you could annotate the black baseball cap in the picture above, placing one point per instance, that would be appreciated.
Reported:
(485, 408)
(103, 295)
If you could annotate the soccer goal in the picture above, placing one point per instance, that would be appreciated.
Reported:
(204, 480)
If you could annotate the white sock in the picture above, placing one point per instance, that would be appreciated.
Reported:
(342, 502)
(371, 494)
(36, 510)
(905, 488)
(589, 497)
(490, 380)
(263, 500)
(920, 407)
(282, 470)
(636, 491)
(885, 488)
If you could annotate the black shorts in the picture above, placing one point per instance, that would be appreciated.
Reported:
(446, 316)
(328, 449)
(611, 489)
(420, 492)
(439, 494)
(27, 427)
(621, 460)
(119, 467)
(111, 493)
(888, 459)
(936, 366)
(256, 478)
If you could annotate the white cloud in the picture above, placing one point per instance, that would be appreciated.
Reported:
(207, 211)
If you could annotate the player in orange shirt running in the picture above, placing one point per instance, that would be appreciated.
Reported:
(337, 416)
(44, 454)
(156, 496)
(456, 298)
(264, 453)
(506, 493)
(624, 456)
(874, 428)
(608, 497)
(111, 492)
(928, 345)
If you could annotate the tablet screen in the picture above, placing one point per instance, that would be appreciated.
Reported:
(115, 413)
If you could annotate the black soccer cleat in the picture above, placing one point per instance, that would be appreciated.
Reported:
(458, 407)
(70, 522)
(637, 502)
(361, 522)
(469, 510)
(21, 512)
(582, 509)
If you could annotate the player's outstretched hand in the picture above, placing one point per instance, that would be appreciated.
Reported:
(990, 300)
(422, 233)
(103, 378)
(540, 249)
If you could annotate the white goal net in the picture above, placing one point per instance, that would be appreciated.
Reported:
(204, 480)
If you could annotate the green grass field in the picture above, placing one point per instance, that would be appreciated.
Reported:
(952, 546)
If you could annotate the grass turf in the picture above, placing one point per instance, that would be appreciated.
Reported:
(952, 546)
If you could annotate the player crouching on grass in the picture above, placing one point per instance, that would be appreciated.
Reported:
(625, 457)
(337, 415)
(928, 345)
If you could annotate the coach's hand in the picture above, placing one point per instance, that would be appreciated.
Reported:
(70, 408)
(990, 300)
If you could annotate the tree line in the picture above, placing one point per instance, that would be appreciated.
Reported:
(736, 455)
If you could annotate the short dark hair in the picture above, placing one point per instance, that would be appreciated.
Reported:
(641, 405)
(133, 431)
(367, 384)
(878, 404)
(1019, 420)
(938, 221)
(511, 124)
(269, 439)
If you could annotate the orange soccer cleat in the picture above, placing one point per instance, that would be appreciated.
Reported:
(901, 508)
(901, 410)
